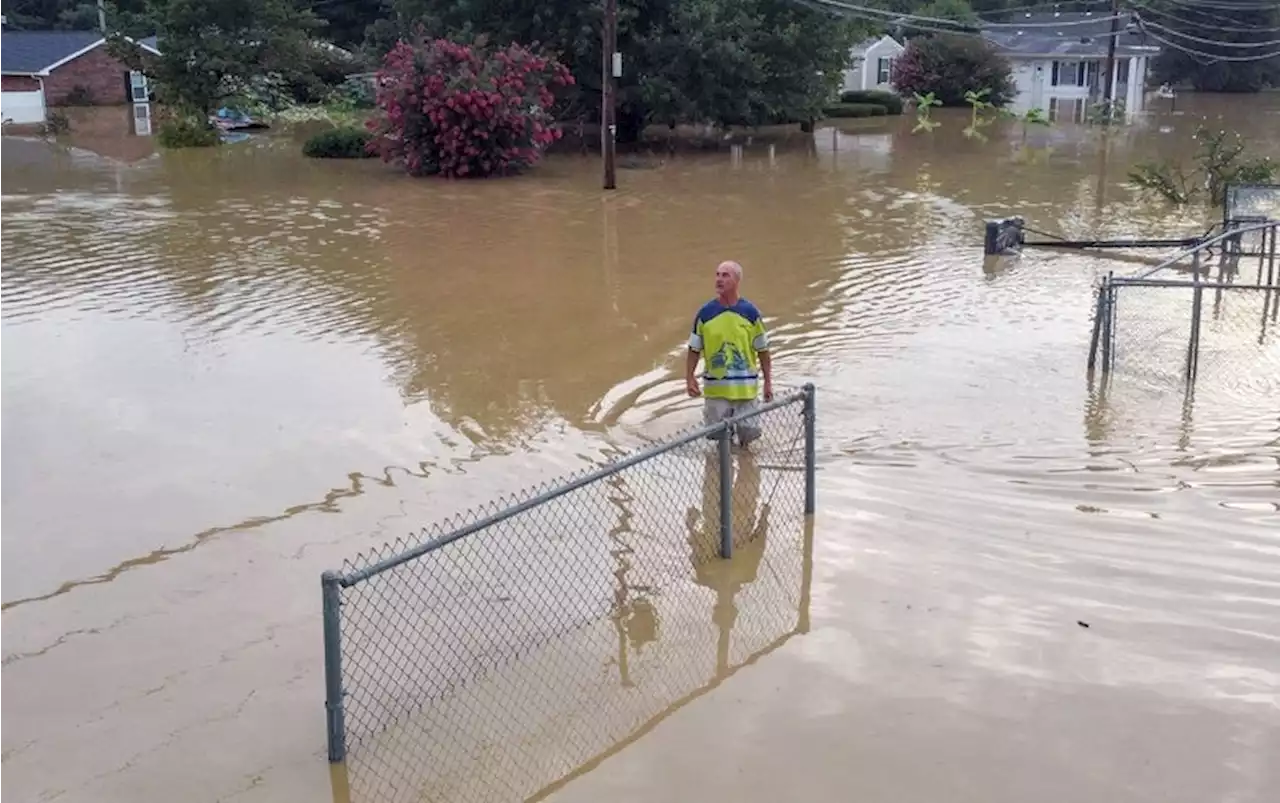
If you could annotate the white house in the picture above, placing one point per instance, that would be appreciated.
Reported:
(1058, 61)
(871, 64)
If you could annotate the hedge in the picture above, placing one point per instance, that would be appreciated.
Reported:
(338, 143)
(891, 102)
(846, 110)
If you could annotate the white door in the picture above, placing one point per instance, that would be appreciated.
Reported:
(1037, 87)
(142, 119)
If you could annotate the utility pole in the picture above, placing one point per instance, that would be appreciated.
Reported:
(1109, 80)
(609, 69)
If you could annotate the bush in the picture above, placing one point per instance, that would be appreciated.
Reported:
(848, 110)
(949, 66)
(56, 124)
(80, 95)
(339, 143)
(462, 111)
(187, 131)
(891, 102)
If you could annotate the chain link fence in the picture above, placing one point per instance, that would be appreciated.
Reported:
(498, 654)
(1161, 333)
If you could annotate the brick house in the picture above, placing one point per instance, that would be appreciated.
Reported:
(41, 69)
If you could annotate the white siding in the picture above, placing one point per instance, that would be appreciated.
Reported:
(864, 66)
(22, 107)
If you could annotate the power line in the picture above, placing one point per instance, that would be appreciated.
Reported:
(915, 20)
(1145, 24)
(1201, 25)
(1211, 57)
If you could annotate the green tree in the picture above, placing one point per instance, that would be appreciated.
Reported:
(1230, 44)
(702, 61)
(211, 49)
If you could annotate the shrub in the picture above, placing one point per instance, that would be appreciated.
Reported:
(186, 131)
(848, 110)
(949, 66)
(56, 124)
(891, 102)
(465, 110)
(80, 95)
(1219, 162)
(339, 143)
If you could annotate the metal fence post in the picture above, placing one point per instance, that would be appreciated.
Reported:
(1107, 324)
(726, 492)
(1193, 355)
(810, 450)
(334, 714)
(1098, 314)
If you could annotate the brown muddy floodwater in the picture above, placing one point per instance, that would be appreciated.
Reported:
(225, 372)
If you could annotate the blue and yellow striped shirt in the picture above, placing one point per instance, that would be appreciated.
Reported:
(730, 340)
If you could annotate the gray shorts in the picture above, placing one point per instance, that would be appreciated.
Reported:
(717, 410)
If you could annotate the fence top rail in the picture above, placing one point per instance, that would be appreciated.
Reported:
(581, 480)
(1125, 282)
(1203, 245)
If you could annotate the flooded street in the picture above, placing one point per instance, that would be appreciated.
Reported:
(225, 372)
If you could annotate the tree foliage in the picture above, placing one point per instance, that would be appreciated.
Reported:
(463, 111)
(212, 49)
(1253, 25)
(696, 61)
(950, 66)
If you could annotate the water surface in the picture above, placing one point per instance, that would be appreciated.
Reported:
(225, 372)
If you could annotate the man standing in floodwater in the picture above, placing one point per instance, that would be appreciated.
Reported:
(728, 333)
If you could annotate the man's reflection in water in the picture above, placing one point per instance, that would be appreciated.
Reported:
(750, 530)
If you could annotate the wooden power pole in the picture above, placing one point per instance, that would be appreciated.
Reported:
(608, 123)
(1108, 81)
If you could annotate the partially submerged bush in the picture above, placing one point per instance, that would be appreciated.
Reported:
(1219, 162)
(851, 110)
(339, 143)
(948, 66)
(187, 131)
(891, 102)
(465, 110)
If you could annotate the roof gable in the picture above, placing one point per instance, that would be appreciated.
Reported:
(863, 47)
(30, 52)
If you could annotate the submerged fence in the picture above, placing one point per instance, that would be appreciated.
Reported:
(1212, 308)
(496, 656)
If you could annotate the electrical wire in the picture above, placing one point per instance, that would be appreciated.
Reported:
(1210, 57)
(904, 18)
(1201, 26)
(1202, 40)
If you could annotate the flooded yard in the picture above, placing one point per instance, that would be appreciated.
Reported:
(227, 371)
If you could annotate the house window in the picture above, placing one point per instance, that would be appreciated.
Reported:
(1068, 73)
(137, 87)
(884, 70)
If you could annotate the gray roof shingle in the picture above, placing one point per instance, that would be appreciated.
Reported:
(1077, 34)
(32, 51)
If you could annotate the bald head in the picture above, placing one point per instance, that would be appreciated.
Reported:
(728, 277)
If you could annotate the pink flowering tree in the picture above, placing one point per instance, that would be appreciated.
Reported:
(465, 111)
